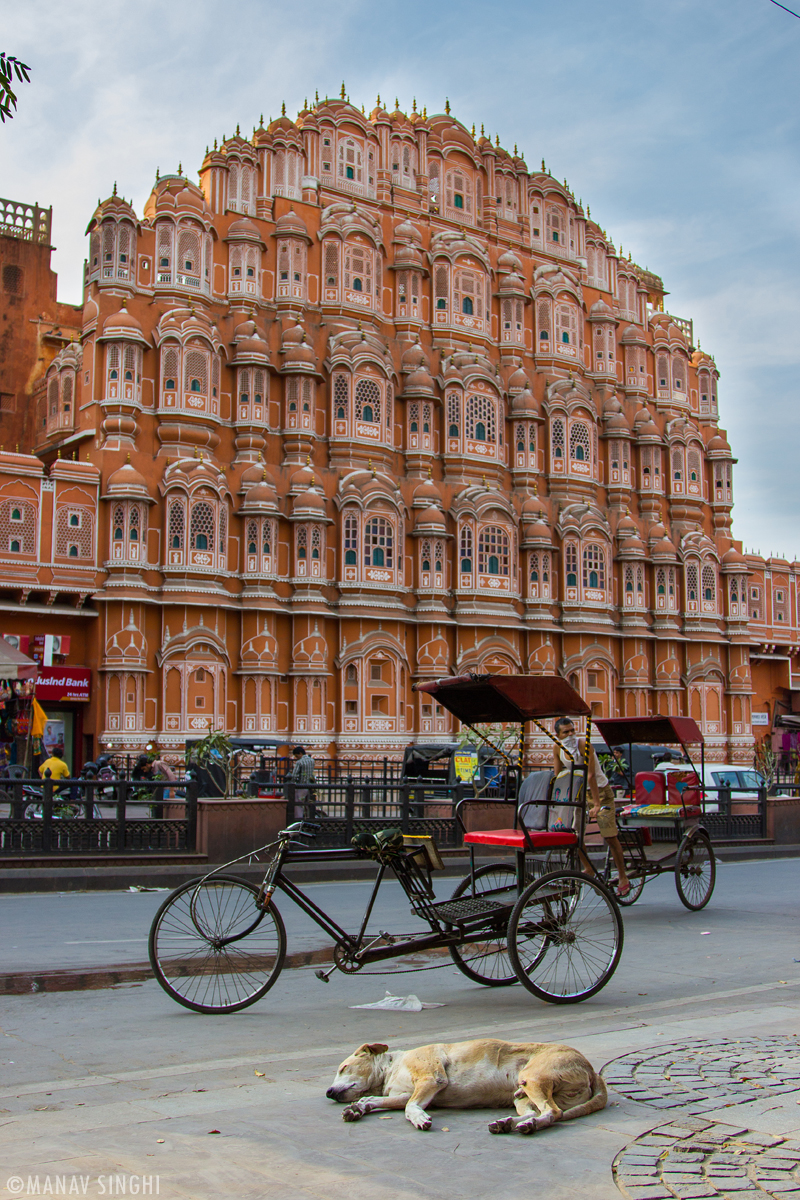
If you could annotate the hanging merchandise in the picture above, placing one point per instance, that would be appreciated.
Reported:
(38, 719)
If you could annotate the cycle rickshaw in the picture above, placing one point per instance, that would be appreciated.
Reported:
(671, 801)
(218, 943)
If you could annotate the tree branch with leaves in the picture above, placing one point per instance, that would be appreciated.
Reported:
(9, 67)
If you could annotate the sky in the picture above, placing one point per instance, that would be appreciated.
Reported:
(676, 121)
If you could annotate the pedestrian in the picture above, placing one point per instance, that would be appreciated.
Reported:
(302, 776)
(601, 808)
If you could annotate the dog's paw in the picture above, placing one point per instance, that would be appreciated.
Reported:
(504, 1125)
(352, 1113)
(530, 1126)
(420, 1121)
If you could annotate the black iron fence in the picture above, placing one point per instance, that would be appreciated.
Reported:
(96, 817)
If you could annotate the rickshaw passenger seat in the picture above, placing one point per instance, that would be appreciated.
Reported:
(515, 838)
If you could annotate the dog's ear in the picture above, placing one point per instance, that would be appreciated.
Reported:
(372, 1048)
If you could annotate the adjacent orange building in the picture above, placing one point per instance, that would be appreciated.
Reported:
(370, 404)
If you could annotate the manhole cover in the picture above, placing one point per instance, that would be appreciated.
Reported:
(691, 1158)
(707, 1074)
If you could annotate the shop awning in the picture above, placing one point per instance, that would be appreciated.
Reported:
(14, 664)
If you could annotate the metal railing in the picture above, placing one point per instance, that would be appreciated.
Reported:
(96, 817)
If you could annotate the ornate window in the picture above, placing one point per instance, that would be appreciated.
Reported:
(350, 175)
(441, 291)
(340, 402)
(420, 426)
(694, 471)
(466, 563)
(453, 422)
(539, 576)
(176, 524)
(59, 400)
(112, 251)
(571, 570)
(580, 448)
(556, 231)
(636, 367)
(18, 527)
(128, 532)
(201, 531)
(458, 205)
(567, 341)
(241, 187)
(604, 350)
(379, 543)
(692, 587)
(651, 469)
(723, 482)
(431, 564)
(299, 402)
(404, 165)
(678, 470)
(244, 270)
(287, 174)
(709, 585)
(260, 546)
(557, 444)
(253, 395)
(494, 558)
(292, 270)
(663, 377)
(331, 257)
(594, 570)
(480, 420)
(361, 283)
(544, 327)
(350, 541)
(537, 221)
(468, 298)
(74, 532)
(408, 294)
(512, 328)
(309, 551)
(170, 375)
(525, 445)
(666, 590)
(619, 462)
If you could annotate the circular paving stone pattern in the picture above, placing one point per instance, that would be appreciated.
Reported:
(692, 1159)
(707, 1074)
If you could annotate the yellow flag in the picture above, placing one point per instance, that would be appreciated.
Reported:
(38, 719)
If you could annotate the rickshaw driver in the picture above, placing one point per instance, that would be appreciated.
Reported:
(602, 808)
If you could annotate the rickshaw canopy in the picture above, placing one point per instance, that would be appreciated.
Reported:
(495, 698)
(658, 730)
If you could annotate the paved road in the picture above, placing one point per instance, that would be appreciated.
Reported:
(126, 1082)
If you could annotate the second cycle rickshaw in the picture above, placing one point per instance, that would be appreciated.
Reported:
(217, 944)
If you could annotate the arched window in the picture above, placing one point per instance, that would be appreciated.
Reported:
(579, 442)
(358, 272)
(453, 416)
(571, 564)
(691, 583)
(458, 196)
(351, 540)
(465, 550)
(175, 531)
(594, 567)
(709, 584)
(557, 442)
(493, 551)
(379, 543)
(201, 535)
(481, 422)
(340, 401)
(195, 372)
(367, 406)
(441, 286)
(467, 306)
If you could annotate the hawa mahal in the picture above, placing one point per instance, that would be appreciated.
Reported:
(370, 403)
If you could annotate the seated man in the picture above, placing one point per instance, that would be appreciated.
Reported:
(54, 767)
(601, 809)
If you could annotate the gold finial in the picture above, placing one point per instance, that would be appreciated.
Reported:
(196, 455)
(180, 168)
(58, 452)
(482, 133)
(544, 168)
(74, 455)
(115, 188)
(237, 130)
(414, 104)
(430, 471)
(374, 472)
(378, 101)
(260, 122)
(158, 170)
(343, 92)
(283, 109)
(535, 488)
(447, 107)
(316, 96)
(396, 103)
(215, 143)
(483, 477)
(308, 460)
(363, 110)
(473, 129)
(497, 140)
(128, 458)
(17, 447)
(588, 211)
(515, 149)
(313, 480)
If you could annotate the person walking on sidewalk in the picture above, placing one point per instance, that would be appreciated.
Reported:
(302, 776)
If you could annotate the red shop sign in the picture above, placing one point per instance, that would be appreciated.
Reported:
(63, 683)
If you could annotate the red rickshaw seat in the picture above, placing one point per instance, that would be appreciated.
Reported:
(515, 838)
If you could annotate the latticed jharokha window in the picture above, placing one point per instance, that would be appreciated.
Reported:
(441, 287)
(468, 286)
(453, 415)
(493, 551)
(201, 533)
(358, 266)
(558, 438)
(351, 540)
(17, 527)
(691, 582)
(378, 543)
(571, 564)
(331, 262)
(340, 397)
(594, 566)
(175, 531)
(579, 442)
(709, 583)
(480, 419)
(465, 550)
(74, 530)
(195, 372)
(368, 402)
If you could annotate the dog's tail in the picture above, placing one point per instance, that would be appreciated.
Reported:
(597, 1100)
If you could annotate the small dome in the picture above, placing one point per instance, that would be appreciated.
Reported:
(412, 357)
(408, 256)
(641, 416)
(601, 312)
(618, 424)
(309, 501)
(302, 480)
(295, 346)
(253, 474)
(291, 223)
(122, 324)
(126, 481)
(648, 431)
(191, 198)
(632, 544)
(663, 549)
(408, 231)
(718, 444)
(508, 261)
(533, 509)
(419, 383)
(611, 406)
(431, 516)
(523, 404)
(427, 493)
(627, 527)
(243, 229)
(518, 382)
(732, 558)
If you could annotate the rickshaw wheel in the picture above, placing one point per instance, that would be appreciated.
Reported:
(487, 961)
(565, 937)
(213, 948)
(695, 871)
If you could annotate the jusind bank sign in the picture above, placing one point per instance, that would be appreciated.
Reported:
(63, 683)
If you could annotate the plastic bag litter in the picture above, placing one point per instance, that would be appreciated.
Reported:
(399, 1003)
(140, 887)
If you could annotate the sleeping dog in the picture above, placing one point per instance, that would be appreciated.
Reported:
(544, 1082)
